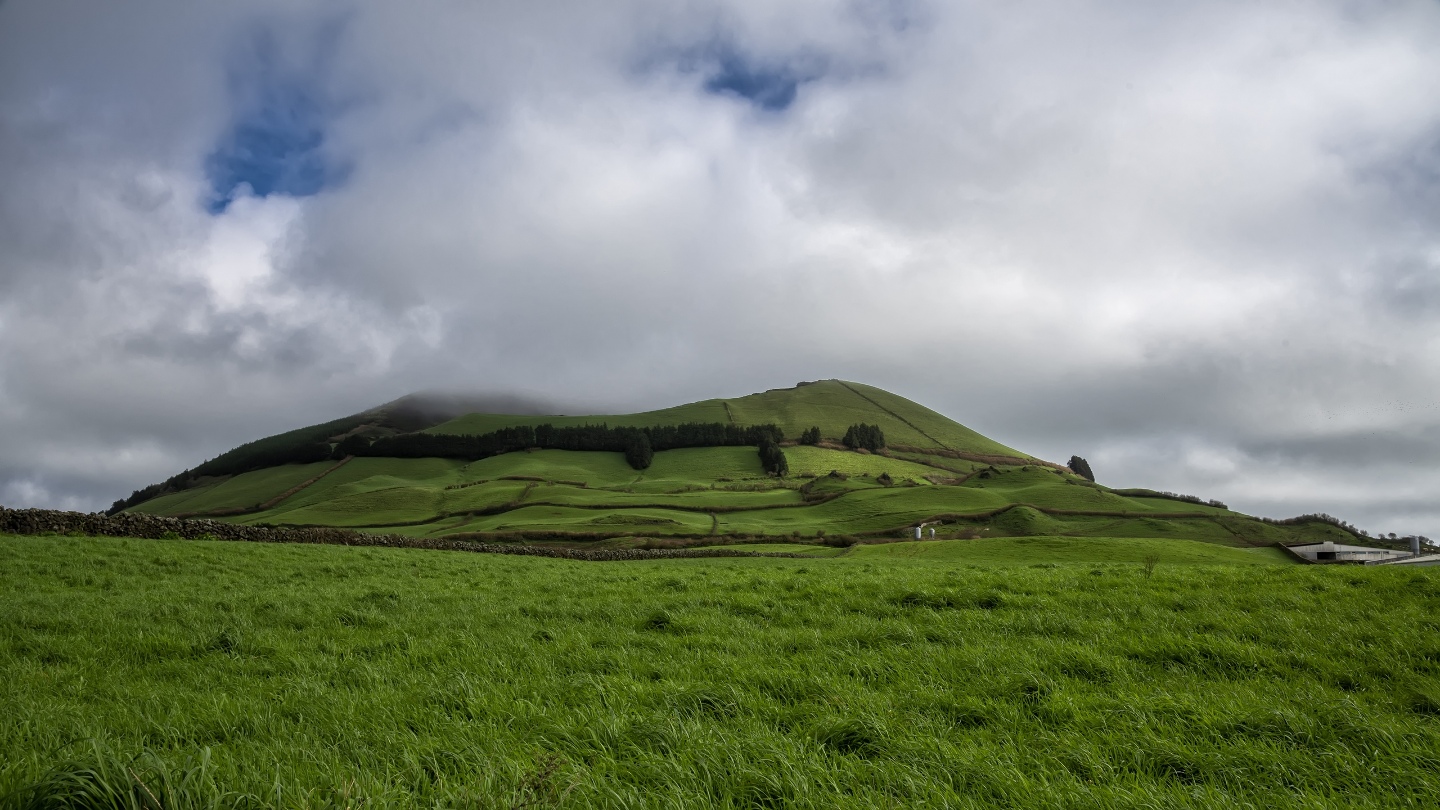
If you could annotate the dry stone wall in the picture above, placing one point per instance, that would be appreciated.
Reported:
(157, 527)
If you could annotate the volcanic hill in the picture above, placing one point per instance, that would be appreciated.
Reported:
(845, 462)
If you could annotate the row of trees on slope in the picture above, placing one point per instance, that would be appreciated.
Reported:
(863, 436)
(639, 444)
(309, 445)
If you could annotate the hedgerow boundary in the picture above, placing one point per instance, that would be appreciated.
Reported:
(33, 522)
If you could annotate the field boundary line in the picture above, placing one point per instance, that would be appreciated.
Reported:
(41, 522)
(972, 516)
(270, 504)
(282, 497)
(517, 504)
(514, 505)
(902, 419)
(983, 458)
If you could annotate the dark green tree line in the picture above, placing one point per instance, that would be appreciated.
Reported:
(584, 437)
(869, 437)
(312, 444)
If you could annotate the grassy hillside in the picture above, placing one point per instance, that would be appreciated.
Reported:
(935, 471)
(718, 492)
(240, 492)
(971, 674)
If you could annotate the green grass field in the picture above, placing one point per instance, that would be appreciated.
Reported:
(1021, 673)
(819, 461)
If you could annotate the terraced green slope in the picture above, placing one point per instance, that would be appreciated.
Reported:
(937, 473)
(718, 493)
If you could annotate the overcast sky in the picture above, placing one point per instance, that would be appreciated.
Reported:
(1195, 243)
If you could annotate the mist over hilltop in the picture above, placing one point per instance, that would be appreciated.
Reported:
(425, 408)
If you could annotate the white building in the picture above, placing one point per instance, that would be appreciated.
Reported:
(1330, 551)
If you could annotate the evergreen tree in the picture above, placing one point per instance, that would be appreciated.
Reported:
(1081, 467)
(637, 450)
(869, 437)
(353, 445)
(810, 436)
(772, 458)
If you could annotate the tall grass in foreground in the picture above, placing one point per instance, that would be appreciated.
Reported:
(173, 674)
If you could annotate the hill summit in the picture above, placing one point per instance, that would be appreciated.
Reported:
(831, 405)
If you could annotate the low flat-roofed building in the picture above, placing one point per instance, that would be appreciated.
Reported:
(1330, 551)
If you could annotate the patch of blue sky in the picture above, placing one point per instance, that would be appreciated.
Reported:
(268, 151)
(768, 83)
(770, 87)
(276, 141)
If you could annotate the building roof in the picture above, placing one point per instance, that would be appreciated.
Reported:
(1423, 559)
(1344, 548)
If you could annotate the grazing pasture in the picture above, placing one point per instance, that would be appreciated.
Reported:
(239, 492)
(1030, 673)
(696, 493)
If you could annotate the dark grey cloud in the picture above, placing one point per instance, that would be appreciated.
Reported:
(1194, 243)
